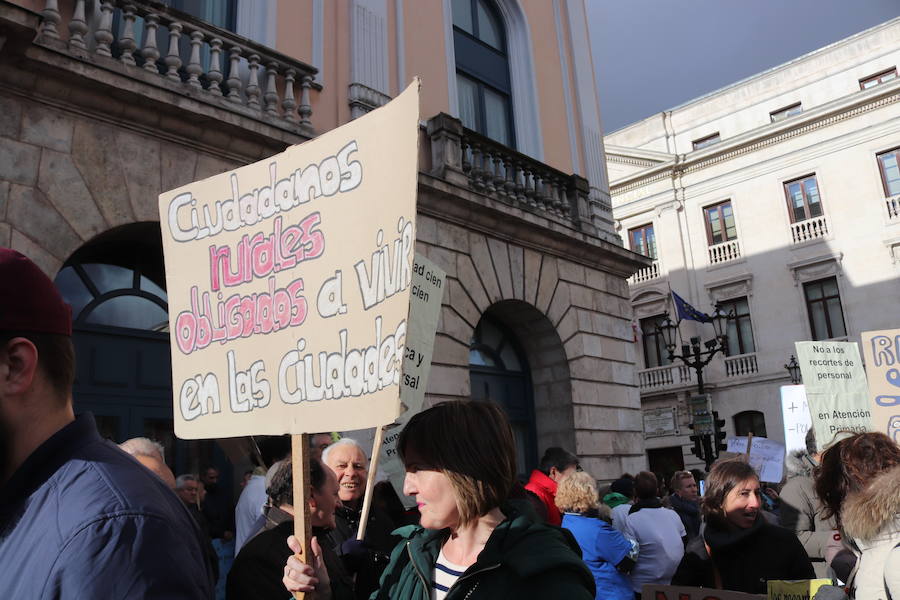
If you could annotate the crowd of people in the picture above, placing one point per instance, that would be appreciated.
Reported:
(80, 517)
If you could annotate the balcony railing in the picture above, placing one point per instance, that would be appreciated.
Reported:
(810, 229)
(664, 377)
(740, 365)
(893, 208)
(646, 274)
(467, 158)
(724, 252)
(167, 48)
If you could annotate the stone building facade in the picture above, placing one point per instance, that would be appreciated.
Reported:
(778, 197)
(107, 104)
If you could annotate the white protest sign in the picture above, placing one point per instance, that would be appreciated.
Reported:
(766, 456)
(424, 312)
(882, 352)
(795, 415)
(835, 388)
(288, 283)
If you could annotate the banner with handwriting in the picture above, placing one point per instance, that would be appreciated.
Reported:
(289, 281)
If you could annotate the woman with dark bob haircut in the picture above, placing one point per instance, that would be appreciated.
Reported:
(473, 542)
(858, 481)
(737, 549)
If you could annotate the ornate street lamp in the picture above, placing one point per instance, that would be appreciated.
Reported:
(697, 356)
(793, 370)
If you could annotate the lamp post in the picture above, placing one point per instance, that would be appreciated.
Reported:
(793, 370)
(704, 422)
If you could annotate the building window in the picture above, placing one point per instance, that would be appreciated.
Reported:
(740, 330)
(221, 13)
(706, 141)
(803, 198)
(787, 111)
(823, 303)
(643, 240)
(889, 164)
(750, 421)
(873, 80)
(720, 226)
(655, 353)
(482, 70)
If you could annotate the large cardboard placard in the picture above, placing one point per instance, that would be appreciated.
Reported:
(677, 592)
(835, 388)
(882, 352)
(289, 280)
(424, 313)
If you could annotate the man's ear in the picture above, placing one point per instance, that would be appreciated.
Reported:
(312, 500)
(553, 474)
(18, 365)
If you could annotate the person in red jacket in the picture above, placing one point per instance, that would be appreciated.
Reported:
(556, 465)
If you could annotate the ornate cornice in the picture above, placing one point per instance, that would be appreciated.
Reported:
(768, 135)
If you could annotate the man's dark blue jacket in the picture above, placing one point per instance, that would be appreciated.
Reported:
(82, 519)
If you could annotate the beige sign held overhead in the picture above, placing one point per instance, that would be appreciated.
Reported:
(882, 352)
(289, 282)
(835, 388)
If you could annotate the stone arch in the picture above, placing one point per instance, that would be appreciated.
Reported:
(551, 386)
(78, 177)
(523, 80)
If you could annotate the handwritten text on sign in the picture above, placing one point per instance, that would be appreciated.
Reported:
(882, 352)
(835, 388)
(288, 283)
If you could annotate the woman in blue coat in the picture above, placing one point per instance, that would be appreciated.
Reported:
(607, 553)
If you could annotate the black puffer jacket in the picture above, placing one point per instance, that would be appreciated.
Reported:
(744, 558)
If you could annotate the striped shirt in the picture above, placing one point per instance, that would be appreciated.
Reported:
(445, 575)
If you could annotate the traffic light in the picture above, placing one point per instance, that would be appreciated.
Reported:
(697, 450)
(719, 428)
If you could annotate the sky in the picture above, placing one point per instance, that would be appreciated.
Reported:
(652, 55)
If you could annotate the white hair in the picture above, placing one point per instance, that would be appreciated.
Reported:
(343, 442)
(141, 446)
(182, 479)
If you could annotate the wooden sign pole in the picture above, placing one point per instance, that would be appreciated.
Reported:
(302, 491)
(370, 483)
(749, 443)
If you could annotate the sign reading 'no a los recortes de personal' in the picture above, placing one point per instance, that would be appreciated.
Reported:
(288, 283)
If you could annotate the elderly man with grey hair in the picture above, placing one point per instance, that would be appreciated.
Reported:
(152, 455)
(367, 559)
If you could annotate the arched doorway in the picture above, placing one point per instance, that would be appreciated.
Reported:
(116, 286)
(499, 372)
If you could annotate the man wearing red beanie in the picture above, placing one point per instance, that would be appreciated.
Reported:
(78, 517)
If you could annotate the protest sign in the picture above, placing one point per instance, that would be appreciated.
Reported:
(766, 456)
(424, 313)
(835, 388)
(289, 280)
(652, 591)
(795, 590)
(795, 415)
(882, 352)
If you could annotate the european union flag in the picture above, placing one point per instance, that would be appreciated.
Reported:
(686, 311)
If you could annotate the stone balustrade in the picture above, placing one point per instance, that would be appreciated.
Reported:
(646, 274)
(668, 376)
(724, 252)
(483, 165)
(740, 365)
(184, 54)
(893, 208)
(810, 229)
